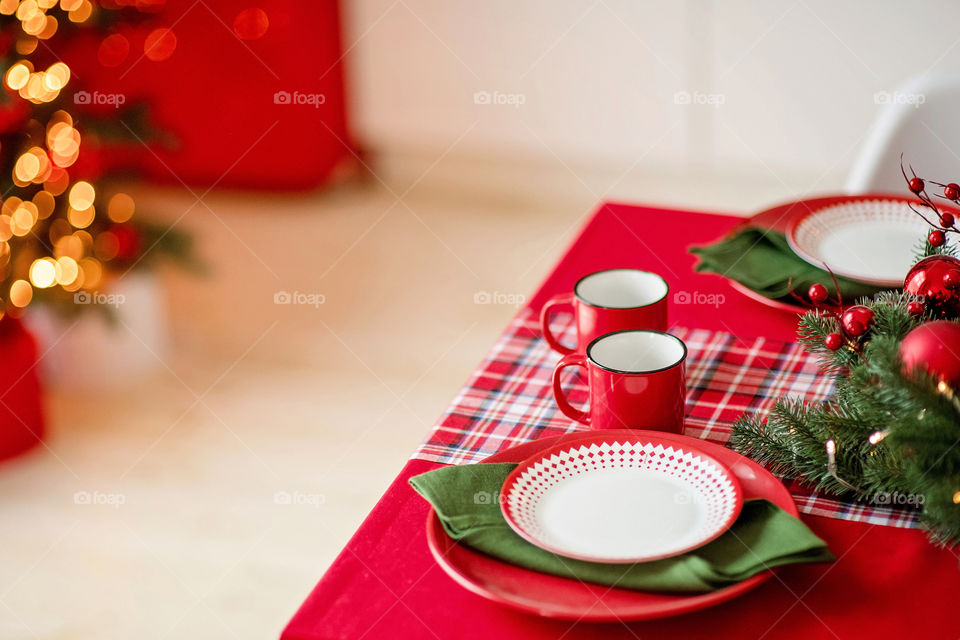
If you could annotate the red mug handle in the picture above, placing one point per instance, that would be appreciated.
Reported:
(566, 299)
(569, 360)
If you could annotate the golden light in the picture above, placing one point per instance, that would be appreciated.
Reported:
(46, 4)
(26, 46)
(9, 7)
(69, 270)
(17, 76)
(23, 219)
(58, 75)
(43, 273)
(4, 254)
(6, 231)
(68, 246)
(70, 5)
(120, 208)
(35, 24)
(81, 219)
(10, 205)
(956, 498)
(21, 293)
(49, 28)
(45, 203)
(82, 196)
(60, 116)
(942, 387)
(27, 168)
(34, 90)
(82, 12)
(92, 272)
(28, 9)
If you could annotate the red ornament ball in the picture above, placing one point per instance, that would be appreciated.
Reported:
(947, 219)
(916, 185)
(915, 308)
(856, 320)
(833, 341)
(817, 293)
(936, 238)
(935, 278)
(935, 348)
(951, 191)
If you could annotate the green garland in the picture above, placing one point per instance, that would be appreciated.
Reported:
(896, 437)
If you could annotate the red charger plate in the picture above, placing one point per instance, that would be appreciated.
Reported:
(569, 599)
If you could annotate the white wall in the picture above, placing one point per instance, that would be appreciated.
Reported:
(796, 80)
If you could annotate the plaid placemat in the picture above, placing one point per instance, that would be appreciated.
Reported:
(509, 400)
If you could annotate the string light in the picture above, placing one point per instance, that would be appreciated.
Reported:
(832, 465)
(55, 231)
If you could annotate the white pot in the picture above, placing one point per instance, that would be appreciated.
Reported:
(90, 350)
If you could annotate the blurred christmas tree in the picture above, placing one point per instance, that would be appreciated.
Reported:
(63, 237)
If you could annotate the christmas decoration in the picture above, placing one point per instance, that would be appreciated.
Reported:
(833, 341)
(856, 321)
(935, 279)
(934, 347)
(891, 426)
(817, 293)
(62, 234)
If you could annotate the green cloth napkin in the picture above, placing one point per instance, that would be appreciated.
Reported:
(764, 536)
(763, 261)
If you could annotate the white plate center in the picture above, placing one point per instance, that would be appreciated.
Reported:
(621, 513)
(884, 249)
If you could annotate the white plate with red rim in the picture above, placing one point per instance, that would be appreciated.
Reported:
(610, 501)
(868, 240)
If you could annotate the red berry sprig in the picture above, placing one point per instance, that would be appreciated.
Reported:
(945, 221)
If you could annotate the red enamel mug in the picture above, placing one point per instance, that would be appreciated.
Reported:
(636, 381)
(608, 301)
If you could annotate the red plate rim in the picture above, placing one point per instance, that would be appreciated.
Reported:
(798, 217)
(781, 217)
(656, 439)
(611, 604)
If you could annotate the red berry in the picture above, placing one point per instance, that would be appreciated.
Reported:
(817, 293)
(833, 341)
(951, 191)
(946, 220)
(915, 307)
(937, 238)
(856, 320)
(916, 185)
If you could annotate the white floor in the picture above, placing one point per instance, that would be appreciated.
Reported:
(321, 404)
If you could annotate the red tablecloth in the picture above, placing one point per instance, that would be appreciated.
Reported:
(887, 581)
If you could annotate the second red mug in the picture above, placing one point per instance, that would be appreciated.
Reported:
(636, 381)
(607, 301)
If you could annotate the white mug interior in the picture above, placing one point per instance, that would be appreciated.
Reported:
(637, 351)
(621, 288)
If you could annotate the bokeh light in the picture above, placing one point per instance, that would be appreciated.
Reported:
(43, 273)
(120, 207)
(160, 44)
(21, 293)
(82, 195)
(251, 24)
(113, 50)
